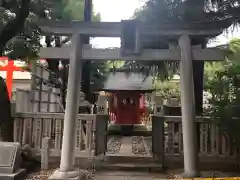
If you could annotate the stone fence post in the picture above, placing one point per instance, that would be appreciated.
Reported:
(158, 105)
(101, 105)
(158, 149)
(101, 126)
(46, 143)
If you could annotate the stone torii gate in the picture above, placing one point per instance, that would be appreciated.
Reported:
(184, 52)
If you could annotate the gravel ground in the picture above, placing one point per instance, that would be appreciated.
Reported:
(113, 148)
(39, 175)
(44, 175)
(114, 145)
(170, 174)
(137, 145)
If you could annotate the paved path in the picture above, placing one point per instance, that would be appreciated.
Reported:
(127, 176)
(126, 148)
(121, 175)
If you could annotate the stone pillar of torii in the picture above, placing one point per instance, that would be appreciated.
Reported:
(77, 53)
(189, 127)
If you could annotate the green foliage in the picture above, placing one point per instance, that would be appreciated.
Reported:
(69, 10)
(115, 64)
(168, 89)
(74, 11)
(224, 87)
(19, 35)
(175, 12)
(100, 71)
(211, 68)
(23, 41)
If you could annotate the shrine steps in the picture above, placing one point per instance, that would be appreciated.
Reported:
(129, 130)
(128, 163)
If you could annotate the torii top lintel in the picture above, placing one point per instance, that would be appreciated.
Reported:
(114, 29)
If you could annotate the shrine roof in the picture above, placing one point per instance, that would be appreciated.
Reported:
(131, 81)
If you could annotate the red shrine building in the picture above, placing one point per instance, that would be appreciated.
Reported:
(126, 100)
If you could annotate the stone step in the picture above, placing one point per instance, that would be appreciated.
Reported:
(129, 163)
(129, 130)
(128, 159)
(133, 175)
(131, 166)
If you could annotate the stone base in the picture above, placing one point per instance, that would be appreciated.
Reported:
(129, 130)
(189, 175)
(17, 175)
(71, 175)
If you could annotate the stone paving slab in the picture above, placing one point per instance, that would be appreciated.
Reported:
(126, 148)
(110, 178)
(124, 178)
(102, 177)
(128, 176)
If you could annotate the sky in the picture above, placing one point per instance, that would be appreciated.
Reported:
(117, 10)
(114, 11)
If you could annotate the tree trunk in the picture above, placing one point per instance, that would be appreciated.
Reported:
(86, 70)
(198, 73)
(86, 80)
(64, 77)
(6, 119)
(11, 29)
(198, 77)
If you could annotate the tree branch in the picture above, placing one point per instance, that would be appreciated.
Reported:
(8, 4)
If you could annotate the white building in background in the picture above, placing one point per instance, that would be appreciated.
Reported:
(21, 79)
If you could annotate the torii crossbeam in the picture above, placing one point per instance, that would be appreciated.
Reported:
(210, 54)
(114, 29)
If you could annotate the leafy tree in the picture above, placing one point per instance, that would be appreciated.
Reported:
(211, 68)
(224, 101)
(71, 10)
(177, 12)
(168, 89)
(20, 35)
(19, 38)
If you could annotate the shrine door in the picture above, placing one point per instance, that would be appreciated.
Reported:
(128, 108)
